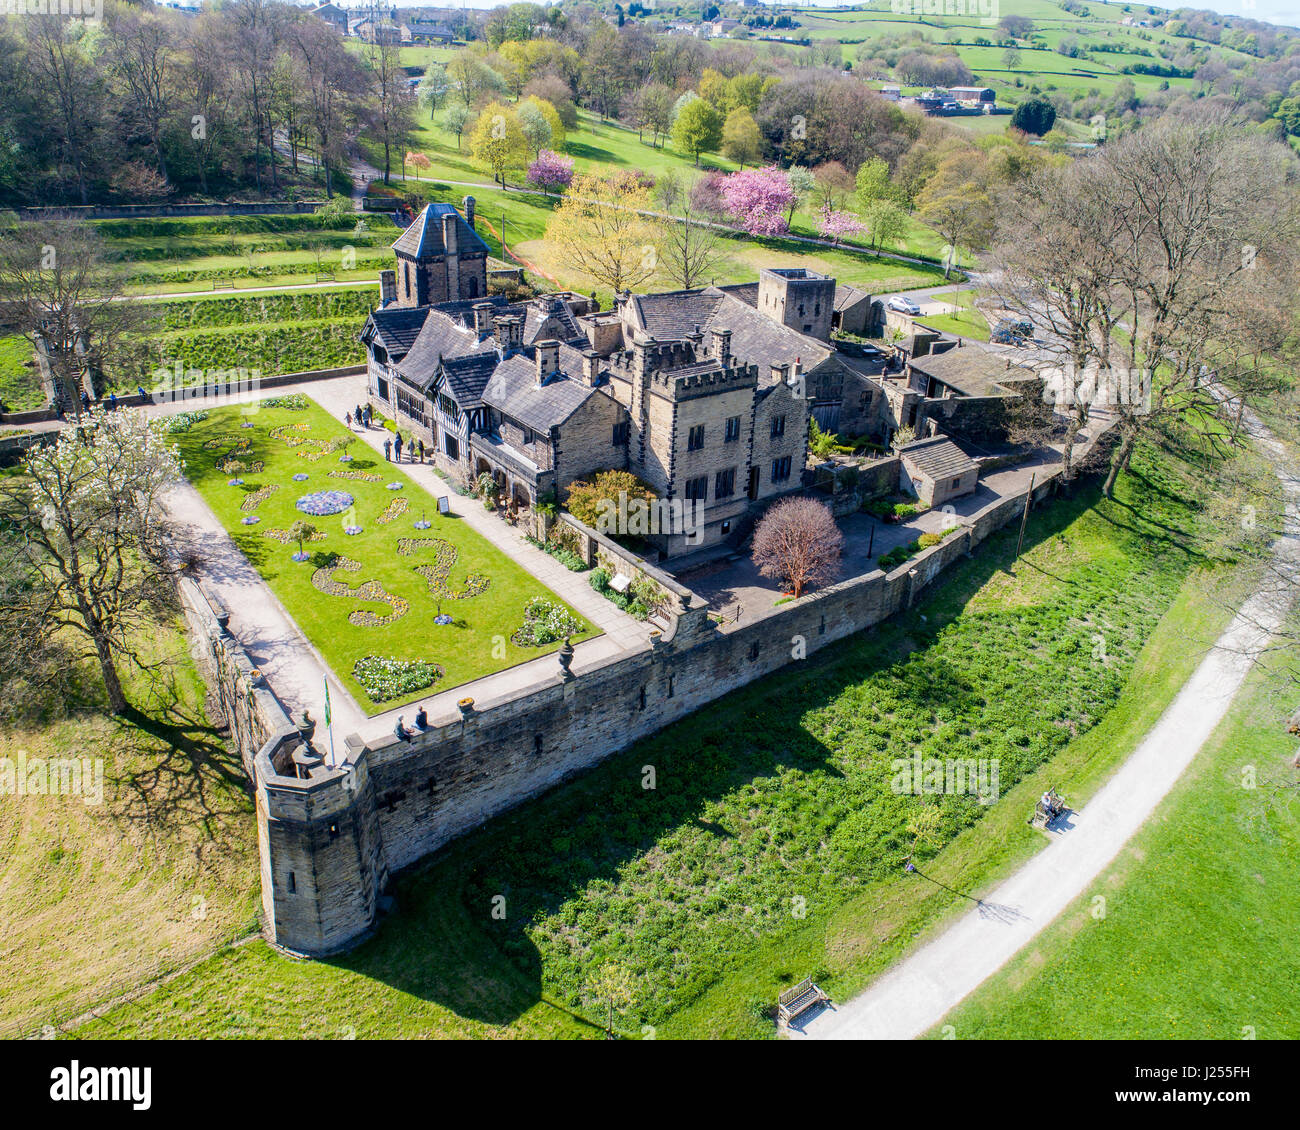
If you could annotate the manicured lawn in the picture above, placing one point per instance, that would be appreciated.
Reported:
(1198, 937)
(772, 846)
(463, 575)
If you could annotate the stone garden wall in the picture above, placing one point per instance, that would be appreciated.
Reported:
(402, 800)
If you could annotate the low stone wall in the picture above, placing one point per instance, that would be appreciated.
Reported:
(137, 211)
(247, 706)
(12, 446)
(329, 844)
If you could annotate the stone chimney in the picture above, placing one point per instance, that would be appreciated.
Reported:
(449, 242)
(468, 205)
(547, 356)
(722, 346)
(798, 366)
(510, 333)
(590, 368)
(780, 372)
(387, 288)
(483, 319)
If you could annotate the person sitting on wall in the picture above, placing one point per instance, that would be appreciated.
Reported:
(403, 734)
(421, 719)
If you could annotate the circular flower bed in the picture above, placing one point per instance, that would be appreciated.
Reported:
(325, 502)
(345, 458)
(395, 486)
(251, 520)
(422, 524)
(352, 531)
(301, 556)
(443, 618)
(247, 424)
(234, 482)
(300, 477)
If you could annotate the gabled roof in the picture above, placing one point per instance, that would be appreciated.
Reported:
(971, 371)
(513, 391)
(846, 296)
(555, 322)
(442, 336)
(676, 314)
(423, 237)
(395, 328)
(467, 376)
(936, 459)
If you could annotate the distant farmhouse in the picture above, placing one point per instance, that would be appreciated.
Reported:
(705, 394)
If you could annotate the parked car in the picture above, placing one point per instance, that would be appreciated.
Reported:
(903, 305)
(1012, 331)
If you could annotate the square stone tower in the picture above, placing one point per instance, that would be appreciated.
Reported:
(798, 298)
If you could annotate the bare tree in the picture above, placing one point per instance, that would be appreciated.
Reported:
(67, 299)
(393, 108)
(141, 49)
(798, 543)
(692, 248)
(89, 517)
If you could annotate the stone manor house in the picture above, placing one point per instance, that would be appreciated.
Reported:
(704, 394)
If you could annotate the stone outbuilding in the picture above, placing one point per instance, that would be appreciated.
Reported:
(937, 470)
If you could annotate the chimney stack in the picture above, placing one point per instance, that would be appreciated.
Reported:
(590, 368)
(510, 333)
(483, 319)
(798, 366)
(468, 205)
(780, 372)
(547, 356)
(722, 346)
(387, 288)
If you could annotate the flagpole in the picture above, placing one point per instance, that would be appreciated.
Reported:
(329, 720)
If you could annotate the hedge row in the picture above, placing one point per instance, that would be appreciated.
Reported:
(376, 259)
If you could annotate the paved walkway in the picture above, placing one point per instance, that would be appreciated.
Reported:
(295, 670)
(917, 993)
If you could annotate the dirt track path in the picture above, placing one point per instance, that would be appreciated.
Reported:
(918, 992)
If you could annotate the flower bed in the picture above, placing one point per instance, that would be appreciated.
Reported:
(384, 677)
(184, 421)
(325, 502)
(544, 622)
(294, 402)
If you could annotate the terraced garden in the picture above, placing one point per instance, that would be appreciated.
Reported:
(400, 601)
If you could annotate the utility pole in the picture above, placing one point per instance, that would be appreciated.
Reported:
(1024, 518)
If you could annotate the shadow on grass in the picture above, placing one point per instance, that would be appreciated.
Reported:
(444, 944)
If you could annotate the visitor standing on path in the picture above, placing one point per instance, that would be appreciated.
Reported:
(357, 413)
(421, 451)
(397, 446)
(388, 450)
(348, 420)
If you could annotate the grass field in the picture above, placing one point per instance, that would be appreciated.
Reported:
(1197, 934)
(464, 576)
(20, 380)
(96, 899)
(967, 322)
(772, 846)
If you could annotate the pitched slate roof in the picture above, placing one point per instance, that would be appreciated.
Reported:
(468, 376)
(846, 296)
(936, 459)
(556, 321)
(441, 337)
(971, 371)
(395, 328)
(674, 315)
(513, 391)
(423, 237)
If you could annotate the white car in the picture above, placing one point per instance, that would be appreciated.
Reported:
(903, 305)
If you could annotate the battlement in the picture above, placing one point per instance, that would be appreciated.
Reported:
(705, 378)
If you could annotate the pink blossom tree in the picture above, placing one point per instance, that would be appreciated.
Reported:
(835, 225)
(551, 172)
(797, 543)
(758, 199)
